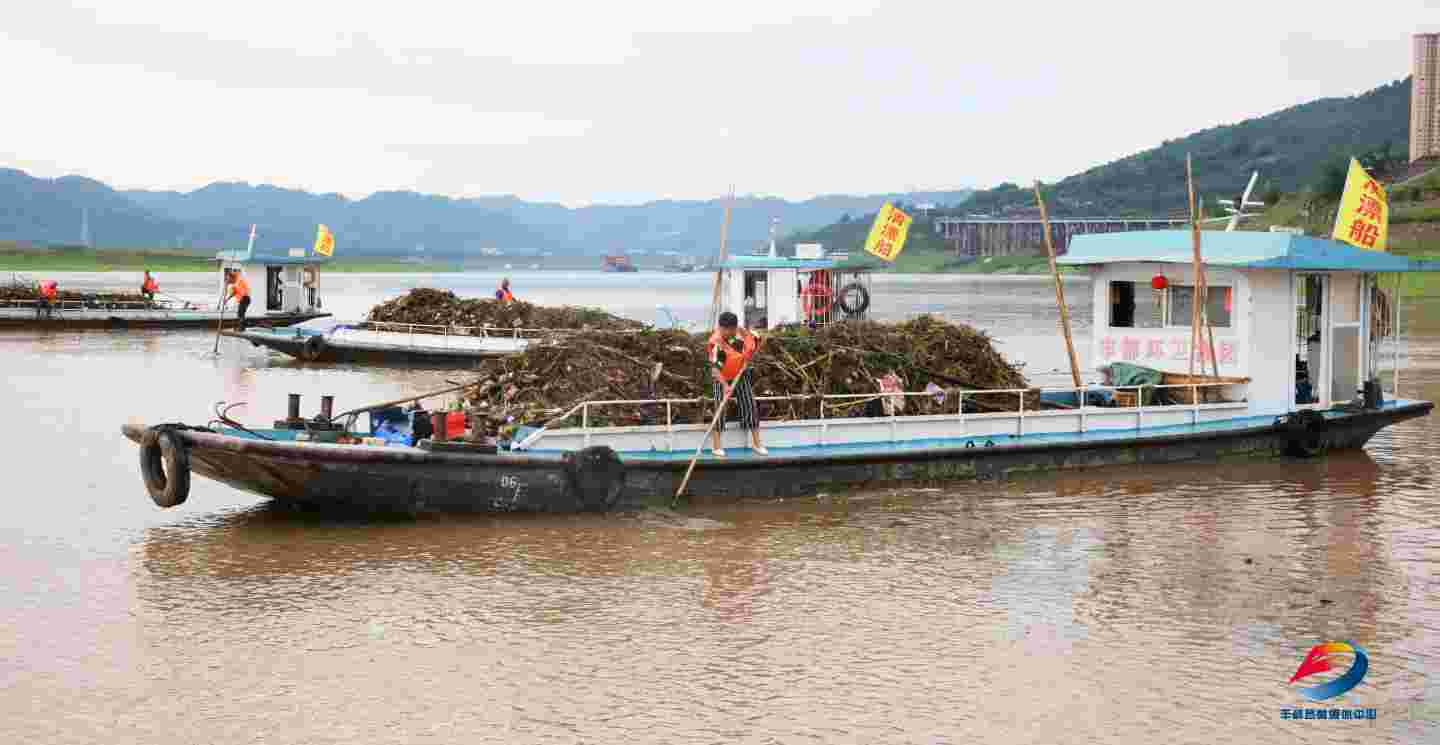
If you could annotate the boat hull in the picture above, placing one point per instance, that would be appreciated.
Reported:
(301, 348)
(100, 318)
(414, 480)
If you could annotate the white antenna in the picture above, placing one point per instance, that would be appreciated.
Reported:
(250, 247)
(1236, 207)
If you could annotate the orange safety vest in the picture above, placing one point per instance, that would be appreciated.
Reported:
(733, 360)
(150, 285)
(506, 296)
(239, 288)
(50, 289)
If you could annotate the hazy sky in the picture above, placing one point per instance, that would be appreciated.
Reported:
(624, 102)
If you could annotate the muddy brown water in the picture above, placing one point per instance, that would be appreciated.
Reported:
(1118, 605)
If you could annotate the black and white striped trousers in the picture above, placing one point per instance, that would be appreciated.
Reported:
(745, 398)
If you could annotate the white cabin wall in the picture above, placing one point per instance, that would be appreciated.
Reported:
(1271, 299)
(1109, 344)
(782, 303)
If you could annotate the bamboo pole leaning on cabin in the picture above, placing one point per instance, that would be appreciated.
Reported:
(1199, 321)
(1059, 289)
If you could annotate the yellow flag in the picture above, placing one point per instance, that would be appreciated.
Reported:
(887, 235)
(324, 242)
(1364, 217)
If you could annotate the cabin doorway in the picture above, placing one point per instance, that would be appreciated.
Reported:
(274, 288)
(756, 300)
(1329, 343)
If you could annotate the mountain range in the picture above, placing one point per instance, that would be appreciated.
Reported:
(50, 211)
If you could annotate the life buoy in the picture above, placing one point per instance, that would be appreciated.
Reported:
(308, 276)
(165, 468)
(815, 299)
(312, 348)
(848, 301)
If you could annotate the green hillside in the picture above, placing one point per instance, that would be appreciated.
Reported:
(1291, 149)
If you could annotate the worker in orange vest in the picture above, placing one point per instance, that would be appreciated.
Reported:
(240, 290)
(729, 349)
(149, 287)
(49, 297)
(504, 294)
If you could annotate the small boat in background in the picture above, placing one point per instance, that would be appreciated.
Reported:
(291, 294)
(329, 340)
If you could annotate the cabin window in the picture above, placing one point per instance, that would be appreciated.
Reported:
(1135, 305)
(1219, 304)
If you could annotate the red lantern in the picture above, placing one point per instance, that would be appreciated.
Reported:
(1158, 282)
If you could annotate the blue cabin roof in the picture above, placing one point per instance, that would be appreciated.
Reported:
(779, 262)
(249, 257)
(1239, 249)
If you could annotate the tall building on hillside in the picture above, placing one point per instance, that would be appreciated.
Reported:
(1424, 101)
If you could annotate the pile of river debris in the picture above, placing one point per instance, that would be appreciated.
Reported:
(22, 291)
(860, 359)
(442, 308)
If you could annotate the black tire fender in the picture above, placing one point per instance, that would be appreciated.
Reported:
(312, 348)
(165, 468)
(842, 299)
(597, 477)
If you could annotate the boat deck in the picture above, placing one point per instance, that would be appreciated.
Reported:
(938, 445)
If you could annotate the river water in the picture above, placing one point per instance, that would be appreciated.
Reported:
(1118, 605)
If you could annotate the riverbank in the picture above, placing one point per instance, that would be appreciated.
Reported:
(30, 261)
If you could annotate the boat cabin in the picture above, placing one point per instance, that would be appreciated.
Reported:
(291, 282)
(1303, 318)
(770, 291)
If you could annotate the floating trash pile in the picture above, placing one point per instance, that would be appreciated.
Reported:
(865, 359)
(444, 308)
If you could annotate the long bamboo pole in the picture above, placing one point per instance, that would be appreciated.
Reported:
(720, 265)
(1196, 335)
(1059, 289)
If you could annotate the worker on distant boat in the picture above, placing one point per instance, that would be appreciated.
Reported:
(730, 348)
(504, 294)
(149, 287)
(49, 298)
(240, 290)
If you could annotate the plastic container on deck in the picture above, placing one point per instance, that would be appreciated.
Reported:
(455, 424)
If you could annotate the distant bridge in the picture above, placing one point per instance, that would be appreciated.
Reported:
(981, 237)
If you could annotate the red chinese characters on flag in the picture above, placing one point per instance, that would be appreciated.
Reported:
(1130, 348)
(1226, 353)
(1364, 233)
(1369, 208)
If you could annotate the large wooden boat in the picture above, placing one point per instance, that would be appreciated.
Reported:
(1301, 342)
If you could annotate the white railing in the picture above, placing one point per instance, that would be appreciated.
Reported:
(63, 305)
(852, 399)
(436, 329)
